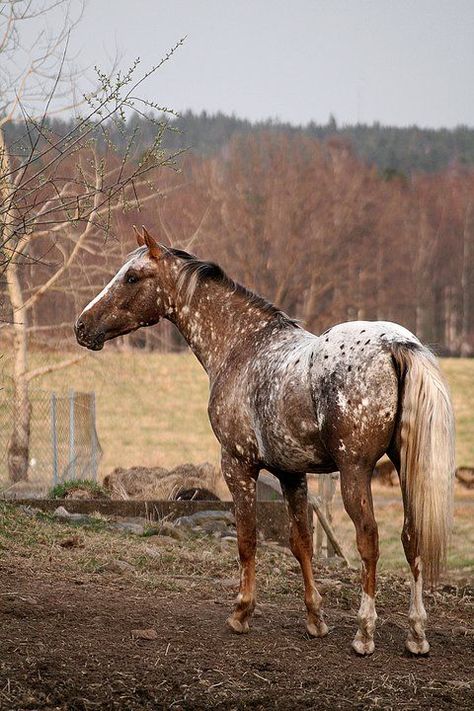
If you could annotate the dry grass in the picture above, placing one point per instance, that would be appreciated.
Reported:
(152, 408)
(152, 411)
(389, 514)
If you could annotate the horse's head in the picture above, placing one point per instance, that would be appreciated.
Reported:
(129, 301)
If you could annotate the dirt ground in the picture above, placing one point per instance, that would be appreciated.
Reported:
(67, 640)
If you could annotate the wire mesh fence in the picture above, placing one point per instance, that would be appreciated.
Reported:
(63, 441)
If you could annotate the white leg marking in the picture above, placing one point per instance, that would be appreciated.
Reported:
(364, 640)
(416, 641)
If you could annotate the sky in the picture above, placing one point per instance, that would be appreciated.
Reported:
(398, 62)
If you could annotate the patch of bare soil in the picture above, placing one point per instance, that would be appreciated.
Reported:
(101, 642)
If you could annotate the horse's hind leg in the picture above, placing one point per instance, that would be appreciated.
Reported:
(241, 481)
(416, 642)
(357, 497)
(295, 491)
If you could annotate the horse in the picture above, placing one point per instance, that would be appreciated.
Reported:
(288, 401)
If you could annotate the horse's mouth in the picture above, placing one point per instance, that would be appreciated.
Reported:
(93, 344)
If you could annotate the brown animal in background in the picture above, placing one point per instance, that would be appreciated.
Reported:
(291, 402)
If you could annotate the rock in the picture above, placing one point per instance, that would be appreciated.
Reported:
(220, 527)
(202, 518)
(169, 529)
(145, 634)
(136, 526)
(119, 566)
(61, 512)
(65, 515)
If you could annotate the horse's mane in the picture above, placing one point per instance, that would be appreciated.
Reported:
(194, 271)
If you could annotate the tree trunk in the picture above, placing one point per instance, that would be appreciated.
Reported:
(18, 445)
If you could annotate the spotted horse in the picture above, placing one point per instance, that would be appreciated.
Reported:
(292, 402)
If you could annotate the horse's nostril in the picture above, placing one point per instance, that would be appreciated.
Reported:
(80, 327)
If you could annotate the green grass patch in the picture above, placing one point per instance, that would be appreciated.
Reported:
(61, 491)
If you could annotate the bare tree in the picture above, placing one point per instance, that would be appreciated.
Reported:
(59, 191)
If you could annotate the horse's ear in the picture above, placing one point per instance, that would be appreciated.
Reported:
(153, 246)
(140, 238)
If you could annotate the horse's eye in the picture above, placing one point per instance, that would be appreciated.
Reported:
(131, 279)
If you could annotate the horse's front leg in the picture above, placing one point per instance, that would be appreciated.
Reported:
(241, 479)
(295, 491)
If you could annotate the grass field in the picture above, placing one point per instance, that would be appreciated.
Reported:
(152, 408)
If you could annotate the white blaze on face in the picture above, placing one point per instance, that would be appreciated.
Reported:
(107, 288)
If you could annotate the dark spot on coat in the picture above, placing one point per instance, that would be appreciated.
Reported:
(357, 342)
(367, 342)
(349, 368)
(325, 357)
(363, 330)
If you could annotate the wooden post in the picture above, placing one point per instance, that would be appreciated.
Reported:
(319, 510)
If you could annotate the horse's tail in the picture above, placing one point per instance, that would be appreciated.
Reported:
(426, 453)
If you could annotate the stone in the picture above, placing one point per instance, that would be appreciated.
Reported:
(205, 518)
(65, 515)
(130, 526)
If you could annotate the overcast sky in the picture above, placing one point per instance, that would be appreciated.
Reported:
(399, 62)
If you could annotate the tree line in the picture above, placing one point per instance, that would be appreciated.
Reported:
(304, 222)
(395, 151)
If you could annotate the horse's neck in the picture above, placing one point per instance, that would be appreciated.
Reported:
(215, 321)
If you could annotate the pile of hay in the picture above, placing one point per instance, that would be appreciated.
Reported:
(186, 481)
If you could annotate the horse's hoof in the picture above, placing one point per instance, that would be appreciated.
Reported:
(237, 626)
(363, 649)
(419, 649)
(319, 630)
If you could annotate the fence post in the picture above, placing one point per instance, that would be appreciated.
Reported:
(72, 436)
(93, 440)
(54, 438)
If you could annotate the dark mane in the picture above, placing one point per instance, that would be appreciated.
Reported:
(194, 271)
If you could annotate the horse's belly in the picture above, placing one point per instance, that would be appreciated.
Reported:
(292, 443)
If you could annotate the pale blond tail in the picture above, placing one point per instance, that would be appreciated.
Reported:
(426, 453)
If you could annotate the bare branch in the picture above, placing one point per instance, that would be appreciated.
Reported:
(52, 367)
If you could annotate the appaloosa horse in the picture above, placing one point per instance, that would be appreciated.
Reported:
(291, 402)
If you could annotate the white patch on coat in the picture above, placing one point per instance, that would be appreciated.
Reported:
(121, 272)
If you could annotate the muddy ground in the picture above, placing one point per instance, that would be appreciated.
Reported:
(67, 640)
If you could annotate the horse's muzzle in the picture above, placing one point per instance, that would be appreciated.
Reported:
(95, 342)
